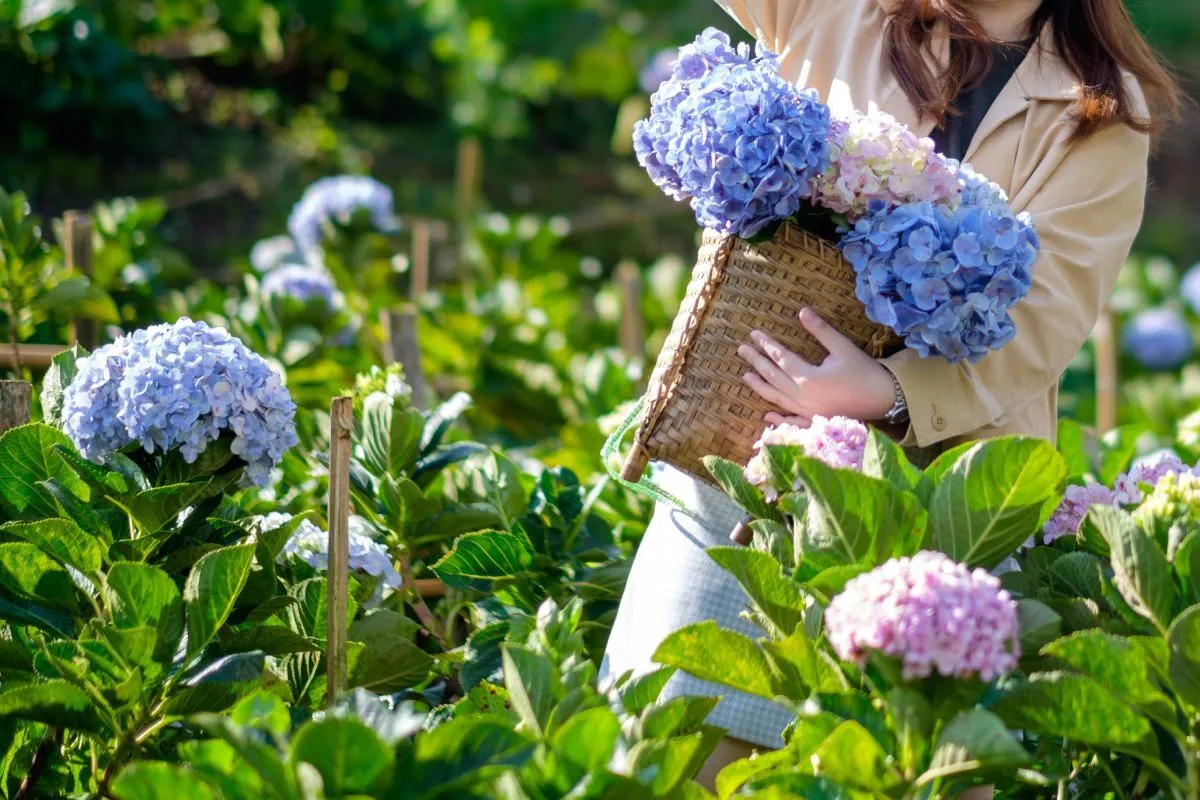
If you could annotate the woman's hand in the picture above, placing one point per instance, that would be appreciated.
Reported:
(847, 383)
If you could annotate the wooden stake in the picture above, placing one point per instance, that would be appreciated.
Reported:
(341, 426)
(1106, 372)
(403, 347)
(15, 398)
(421, 237)
(33, 356)
(633, 327)
(80, 258)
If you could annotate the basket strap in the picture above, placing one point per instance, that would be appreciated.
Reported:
(644, 486)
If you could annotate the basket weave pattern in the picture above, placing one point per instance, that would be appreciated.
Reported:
(697, 403)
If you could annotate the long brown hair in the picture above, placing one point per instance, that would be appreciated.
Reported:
(1096, 39)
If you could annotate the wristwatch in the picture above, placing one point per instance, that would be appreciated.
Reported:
(898, 414)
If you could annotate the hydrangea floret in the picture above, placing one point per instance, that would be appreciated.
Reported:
(337, 199)
(1175, 500)
(930, 612)
(875, 157)
(1074, 507)
(837, 441)
(732, 135)
(180, 385)
(1158, 339)
(1146, 471)
(304, 284)
(658, 69)
(944, 278)
(310, 544)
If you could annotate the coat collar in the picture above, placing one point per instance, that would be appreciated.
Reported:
(1042, 75)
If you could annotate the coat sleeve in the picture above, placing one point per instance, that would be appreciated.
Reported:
(1087, 213)
(779, 24)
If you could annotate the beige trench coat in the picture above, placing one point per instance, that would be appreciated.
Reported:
(1087, 201)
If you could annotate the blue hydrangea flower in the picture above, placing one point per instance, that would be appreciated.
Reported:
(180, 385)
(944, 277)
(1190, 288)
(1158, 339)
(657, 70)
(336, 199)
(273, 252)
(729, 133)
(303, 283)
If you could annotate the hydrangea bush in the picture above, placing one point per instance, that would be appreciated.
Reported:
(729, 133)
(1158, 339)
(945, 278)
(874, 157)
(181, 385)
(275, 251)
(310, 544)
(302, 283)
(337, 199)
(838, 441)
(932, 613)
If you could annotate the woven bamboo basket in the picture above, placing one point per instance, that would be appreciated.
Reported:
(697, 403)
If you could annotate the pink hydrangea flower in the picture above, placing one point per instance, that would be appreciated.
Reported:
(933, 613)
(1146, 471)
(1073, 508)
(838, 441)
(875, 157)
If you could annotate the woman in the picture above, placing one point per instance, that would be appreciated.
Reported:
(1054, 100)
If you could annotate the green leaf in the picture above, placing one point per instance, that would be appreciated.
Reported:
(459, 519)
(1117, 449)
(530, 680)
(800, 668)
(1187, 567)
(95, 475)
(23, 612)
(442, 417)
(642, 691)
(140, 595)
(911, 717)
(235, 668)
(210, 592)
(732, 479)
(851, 756)
(389, 663)
(1077, 574)
(156, 780)
(1183, 639)
(58, 377)
(154, 509)
(1117, 664)
(383, 622)
(348, 754)
(853, 518)
(461, 752)
(778, 598)
(1072, 446)
(884, 459)
(26, 458)
(264, 711)
(204, 698)
(995, 497)
(1076, 707)
(711, 653)
(72, 508)
(1140, 570)
(14, 658)
(1038, 624)
(29, 573)
(310, 614)
(488, 555)
(831, 581)
(674, 761)
(500, 482)
(61, 539)
(974, 740)
(588, 739)
(678, 716)
(55, 703)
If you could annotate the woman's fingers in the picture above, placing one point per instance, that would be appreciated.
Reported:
(829, 337)
(789, 362)
(769, 393)
(774, 418)
(768, 369)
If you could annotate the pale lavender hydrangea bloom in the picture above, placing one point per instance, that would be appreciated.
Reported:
(303, 283)
(310, 544)
(942, 278)
(733, 136)
(336, 199)
(932, 613)
(875, 157)
(657, 70)
(1158, 339)
(267, 254)
(180, 385)
(1074, 507)
(838, 441)
(1147, 471)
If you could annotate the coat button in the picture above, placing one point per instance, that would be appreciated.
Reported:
(939, 422)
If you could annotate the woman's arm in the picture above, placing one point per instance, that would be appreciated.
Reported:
(1087, 214)
(778, 24)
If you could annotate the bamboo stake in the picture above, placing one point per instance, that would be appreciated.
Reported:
(422, 235)
(79, 230)
(32, 355)
(15, 398)
(1106, 372)
(341, 425)
(403, 347)
(633, 327)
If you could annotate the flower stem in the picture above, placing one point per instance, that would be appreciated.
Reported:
(427, 617)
